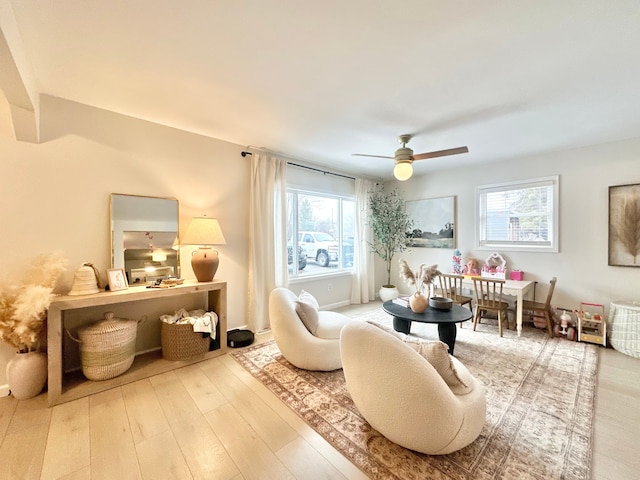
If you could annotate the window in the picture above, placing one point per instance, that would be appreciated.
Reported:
(518, 216)
(324, 227)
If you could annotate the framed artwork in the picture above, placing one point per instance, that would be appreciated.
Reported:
(624, 225)
(117, 279)
(433, 222)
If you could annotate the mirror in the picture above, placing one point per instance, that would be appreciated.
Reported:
(144, 237)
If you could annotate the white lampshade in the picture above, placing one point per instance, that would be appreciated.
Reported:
(203, 231)
(403, 171)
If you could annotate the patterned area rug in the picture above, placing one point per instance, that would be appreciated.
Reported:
(540, 396)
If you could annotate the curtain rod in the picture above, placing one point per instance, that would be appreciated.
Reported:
(324, 172)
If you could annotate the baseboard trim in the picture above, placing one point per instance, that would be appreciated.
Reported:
(331, 306)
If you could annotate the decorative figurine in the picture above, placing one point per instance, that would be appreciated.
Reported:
(455, 262)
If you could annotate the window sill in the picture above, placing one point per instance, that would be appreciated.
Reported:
(310, 278)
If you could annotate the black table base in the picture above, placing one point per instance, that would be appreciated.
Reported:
(446, 331)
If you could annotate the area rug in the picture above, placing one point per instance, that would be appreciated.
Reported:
(540, 396)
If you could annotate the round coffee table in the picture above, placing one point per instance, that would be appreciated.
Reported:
(446, 320)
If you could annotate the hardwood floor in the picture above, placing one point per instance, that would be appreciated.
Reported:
(213, 420)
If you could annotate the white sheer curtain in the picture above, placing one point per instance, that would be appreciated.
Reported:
(267, 230)
(363, 281)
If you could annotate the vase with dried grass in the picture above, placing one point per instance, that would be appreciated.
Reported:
(421, 279)
(23, 310)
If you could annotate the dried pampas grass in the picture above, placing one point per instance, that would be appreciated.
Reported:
(629, 225)
(23, 306)
(422, 278)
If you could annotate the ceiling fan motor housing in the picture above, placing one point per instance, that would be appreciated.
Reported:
(403, 154)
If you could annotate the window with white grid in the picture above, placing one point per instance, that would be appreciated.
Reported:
(518, 215)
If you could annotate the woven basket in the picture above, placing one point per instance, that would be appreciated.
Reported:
(180, 342)
(107, 347)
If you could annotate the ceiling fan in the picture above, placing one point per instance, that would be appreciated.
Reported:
(404, 157)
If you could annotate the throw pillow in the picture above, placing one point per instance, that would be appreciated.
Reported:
(307, 297)
(437, 354)
(308, 313)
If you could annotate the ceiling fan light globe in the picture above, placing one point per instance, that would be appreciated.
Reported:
(403, 171)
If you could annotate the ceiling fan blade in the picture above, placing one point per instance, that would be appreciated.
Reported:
(441, 153)
(365, 155)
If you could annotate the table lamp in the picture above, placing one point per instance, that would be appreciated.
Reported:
(205, 232)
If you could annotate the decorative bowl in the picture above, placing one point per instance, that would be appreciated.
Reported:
(440, 303)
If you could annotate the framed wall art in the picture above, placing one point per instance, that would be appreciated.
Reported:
(624, 225)
(433, 222)
(117, 279)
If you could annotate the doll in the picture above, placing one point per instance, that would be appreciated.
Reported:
(471, 268)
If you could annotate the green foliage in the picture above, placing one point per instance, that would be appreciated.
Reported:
(389, 222)
(306, 220)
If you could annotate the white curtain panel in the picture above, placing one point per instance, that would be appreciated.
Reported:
(268, 245)
(363, 282)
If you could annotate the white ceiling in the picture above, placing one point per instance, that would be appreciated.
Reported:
(320, 80)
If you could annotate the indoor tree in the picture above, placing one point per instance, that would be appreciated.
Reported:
(390, 223)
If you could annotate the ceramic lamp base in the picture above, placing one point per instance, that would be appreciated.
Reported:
(204, 263)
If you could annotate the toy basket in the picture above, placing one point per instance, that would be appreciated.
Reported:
(107, 347)
(180, 342)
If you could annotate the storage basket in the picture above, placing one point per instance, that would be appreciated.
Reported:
(180, 342)
(107, 347)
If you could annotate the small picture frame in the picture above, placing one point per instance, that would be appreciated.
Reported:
(117, 279)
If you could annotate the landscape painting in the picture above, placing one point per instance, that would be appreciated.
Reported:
(433, 222)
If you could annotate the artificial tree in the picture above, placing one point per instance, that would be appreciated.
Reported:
(389, 223)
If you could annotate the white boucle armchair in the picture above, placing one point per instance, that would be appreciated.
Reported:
(319, 351)
(402, 395)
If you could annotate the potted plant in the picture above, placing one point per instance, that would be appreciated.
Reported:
(23, 309)
(389, 222)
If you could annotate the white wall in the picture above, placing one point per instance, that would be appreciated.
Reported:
(581, 265)
(55, 195)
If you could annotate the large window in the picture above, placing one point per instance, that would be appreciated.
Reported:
(518, 216)
(320, 233)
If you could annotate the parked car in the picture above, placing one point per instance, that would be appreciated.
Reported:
(302, 258)
(324, 248)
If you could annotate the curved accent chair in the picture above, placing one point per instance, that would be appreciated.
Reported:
(310, 351)
(402, 395)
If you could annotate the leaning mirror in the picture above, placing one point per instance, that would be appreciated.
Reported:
(144, 237)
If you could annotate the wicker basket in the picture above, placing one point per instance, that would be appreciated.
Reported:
(107, 347)
(180, 342)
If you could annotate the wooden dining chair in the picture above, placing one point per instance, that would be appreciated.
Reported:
(543, 308)
(451, 287)
(488, 292)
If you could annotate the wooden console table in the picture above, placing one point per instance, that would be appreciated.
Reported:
(145, 365)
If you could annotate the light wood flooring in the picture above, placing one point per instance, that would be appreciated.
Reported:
(213, 420)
